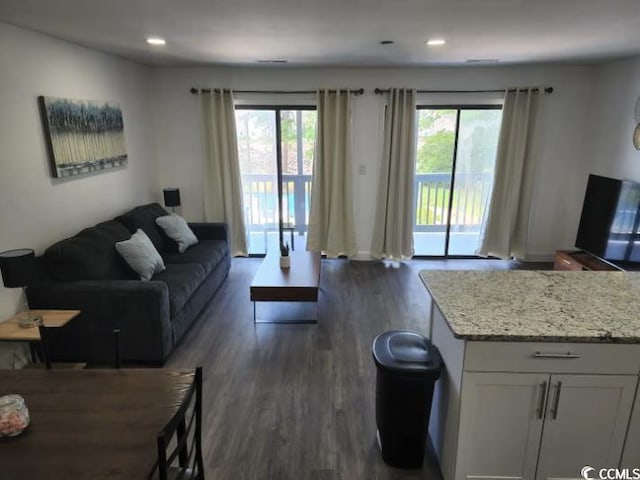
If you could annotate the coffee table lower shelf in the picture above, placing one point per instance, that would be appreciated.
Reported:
(277, 314)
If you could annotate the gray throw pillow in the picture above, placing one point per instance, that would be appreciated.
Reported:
(177, 229)
(141, 255)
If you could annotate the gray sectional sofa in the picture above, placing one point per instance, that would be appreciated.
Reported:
(85, 272)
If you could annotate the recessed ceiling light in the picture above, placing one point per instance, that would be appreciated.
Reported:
(434, 42)
(156, 41)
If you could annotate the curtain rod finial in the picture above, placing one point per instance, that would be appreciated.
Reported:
(549, 90)
(194, 90)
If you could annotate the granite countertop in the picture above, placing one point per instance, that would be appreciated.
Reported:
(539, 306)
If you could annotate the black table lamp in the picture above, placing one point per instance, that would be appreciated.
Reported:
(19, 269)
(171, 198)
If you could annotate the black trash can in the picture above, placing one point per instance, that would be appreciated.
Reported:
(408, 367)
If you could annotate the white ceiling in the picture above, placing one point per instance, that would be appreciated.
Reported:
(340, 32)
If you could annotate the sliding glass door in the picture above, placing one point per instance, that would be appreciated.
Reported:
(276, 142)
(455, 157)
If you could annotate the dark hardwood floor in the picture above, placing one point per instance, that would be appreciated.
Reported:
(298, 401)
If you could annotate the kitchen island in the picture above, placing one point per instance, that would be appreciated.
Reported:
(541, 372)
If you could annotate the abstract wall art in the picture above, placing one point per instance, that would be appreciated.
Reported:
(82, 136)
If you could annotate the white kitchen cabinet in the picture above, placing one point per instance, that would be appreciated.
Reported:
(513, 425)
(501, 420)
(631, 455)
(531, 410)
(585, 423)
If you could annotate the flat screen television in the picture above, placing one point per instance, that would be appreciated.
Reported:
(610, 221)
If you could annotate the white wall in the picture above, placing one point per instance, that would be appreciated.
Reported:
(563, 116)
(612, 121)
(35, 209)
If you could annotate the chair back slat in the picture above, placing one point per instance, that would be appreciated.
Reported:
(116, 347)
(181, 437)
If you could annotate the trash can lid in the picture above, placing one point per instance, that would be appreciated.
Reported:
(404, 351)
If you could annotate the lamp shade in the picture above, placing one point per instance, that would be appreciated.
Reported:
(171, 197)
(18, 267)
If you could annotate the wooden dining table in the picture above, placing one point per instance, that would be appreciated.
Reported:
(90, 424)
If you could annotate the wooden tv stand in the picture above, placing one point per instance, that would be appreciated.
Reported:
(578, 260)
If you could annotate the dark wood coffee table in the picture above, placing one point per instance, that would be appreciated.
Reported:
(299, 283)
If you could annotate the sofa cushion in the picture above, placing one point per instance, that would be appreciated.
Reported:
(207, 253)
(141, 255)
(89, 255)
(182, 280)
(176, 228)
(144, 217)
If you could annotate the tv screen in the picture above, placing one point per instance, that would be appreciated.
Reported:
(610, 220)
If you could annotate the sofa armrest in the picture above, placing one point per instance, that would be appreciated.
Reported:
(210, 231)
(139, 309)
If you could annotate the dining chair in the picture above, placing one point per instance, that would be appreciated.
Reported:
(179, 442)
(111, 338)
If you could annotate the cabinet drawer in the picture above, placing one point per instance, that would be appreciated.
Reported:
(591, 358)
(565, 264)
(563, 261)
(577, 260)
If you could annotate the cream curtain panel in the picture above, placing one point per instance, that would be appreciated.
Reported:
(506, 226)
(222, 183)
(393, 228)
(331, 227)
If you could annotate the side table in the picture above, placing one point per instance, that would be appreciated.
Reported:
(10, 331)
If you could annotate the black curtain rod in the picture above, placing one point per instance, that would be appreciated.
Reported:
(380, 91)
(196, 91)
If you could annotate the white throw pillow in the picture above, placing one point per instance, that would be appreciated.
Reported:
(141, 255)
(177, 229)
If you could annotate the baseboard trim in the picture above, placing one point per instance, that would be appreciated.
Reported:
(365, 256)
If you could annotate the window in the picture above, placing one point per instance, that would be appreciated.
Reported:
(455, 158)
(272, 139)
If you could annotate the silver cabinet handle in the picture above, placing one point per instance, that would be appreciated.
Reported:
(541, 400)
(556, 402)
(568, 355)
(566, 262)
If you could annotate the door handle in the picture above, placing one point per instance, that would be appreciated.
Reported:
(556, 402)
(541, 400)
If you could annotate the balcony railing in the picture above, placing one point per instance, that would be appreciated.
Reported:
(432, 190)
(431, 201)
(261, 201)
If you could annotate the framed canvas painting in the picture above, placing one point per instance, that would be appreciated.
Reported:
(82, 136)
